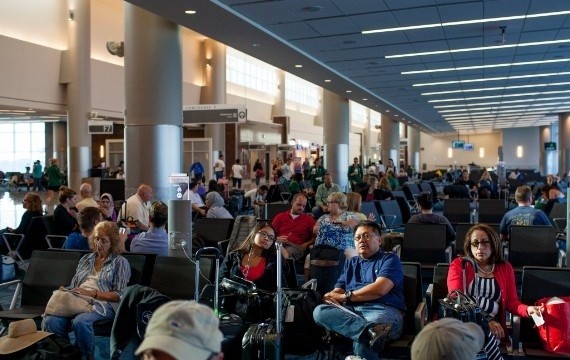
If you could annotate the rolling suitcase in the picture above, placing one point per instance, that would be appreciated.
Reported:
(231, 325)
(263, 341)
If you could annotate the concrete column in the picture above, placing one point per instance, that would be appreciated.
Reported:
(78, 93)
(59, 137)
(414, 148)
(563, 143)
(335, 130)
(153, 86)
(367, 135)
(390, 135)
(214, 92)
(278, 108)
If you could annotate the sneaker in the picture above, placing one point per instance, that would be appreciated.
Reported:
(378, 336)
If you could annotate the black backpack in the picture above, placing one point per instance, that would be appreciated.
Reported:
(48, 348)
(298, 322)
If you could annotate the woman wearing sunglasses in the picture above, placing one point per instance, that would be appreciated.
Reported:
(254, 260)
(494, 284)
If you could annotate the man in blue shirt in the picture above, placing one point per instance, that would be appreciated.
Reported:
(524, 214)
(367, 304)
(198, 170)
(155, 240)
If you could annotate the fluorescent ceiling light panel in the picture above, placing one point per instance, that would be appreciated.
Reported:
(501, 102)
(466, 22)
(493, 79)
(479, 48)
(522, 63)
(501, 96)
(496, 88)
(554, 105)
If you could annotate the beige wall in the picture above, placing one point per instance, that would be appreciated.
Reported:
(434, 153)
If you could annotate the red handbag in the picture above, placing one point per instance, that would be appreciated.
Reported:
(555, 333)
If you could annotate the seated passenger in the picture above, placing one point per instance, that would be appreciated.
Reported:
(254, 260)
(107, 207)
(336, 228)
(294, 228)
(32, 202)
(65, 214)
(371, 286)
(524, 214)
(216, 209)
(495, 283)
(448, 338)
(257, 199)
(136, 207)
(198, 206)
(426, 216)
(155, 240)
(102, 275)
(88, 218)
(86, 192)
(354, 203)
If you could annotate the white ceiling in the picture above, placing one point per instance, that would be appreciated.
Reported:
(325, 36)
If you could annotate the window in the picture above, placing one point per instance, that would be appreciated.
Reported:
(301, 95)
(244, 73)
(22, 144)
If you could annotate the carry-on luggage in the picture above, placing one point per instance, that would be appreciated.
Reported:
(263, 341)
(231, 325)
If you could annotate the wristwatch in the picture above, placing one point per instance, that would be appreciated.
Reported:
(347, 295)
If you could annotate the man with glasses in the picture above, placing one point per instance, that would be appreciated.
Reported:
(367, 304)
(295, 228)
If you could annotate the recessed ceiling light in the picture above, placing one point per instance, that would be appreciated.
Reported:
(256, 45)
(327, 80)
(484, 66)
(348, 91)
(387, 110)
(365, 99)
(396, 115)
(190, 12)
(313, 8)
(298, 66)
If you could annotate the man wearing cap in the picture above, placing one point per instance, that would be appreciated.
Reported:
(180, 330)
(448, 338)
(367, 303)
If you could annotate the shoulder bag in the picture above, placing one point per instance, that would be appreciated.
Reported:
(555, 332)
(68, 303)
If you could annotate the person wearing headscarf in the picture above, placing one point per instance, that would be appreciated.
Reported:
(107, 207)
(215, 205)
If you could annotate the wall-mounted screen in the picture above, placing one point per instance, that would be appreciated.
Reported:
(468, 147)
(457, 144)
(550, 146)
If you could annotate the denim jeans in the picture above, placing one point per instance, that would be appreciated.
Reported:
(352, 326)
(219, 174)
(236, 181)
(81, 324)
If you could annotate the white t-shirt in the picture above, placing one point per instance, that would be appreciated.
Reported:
(219, 165)
(237, 170)
(286, 169)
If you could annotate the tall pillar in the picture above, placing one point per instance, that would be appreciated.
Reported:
(78, 93)
(59, 138)
(367, 134)
(214, 92)
(153, 94)
(278, 108)
(390, 136)
(335, 137)
(414, 148)
(563, 143)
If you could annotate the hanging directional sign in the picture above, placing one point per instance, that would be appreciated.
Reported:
(214, 114)
(100, 127)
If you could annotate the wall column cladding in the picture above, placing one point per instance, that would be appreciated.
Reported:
(153, 94)
(390, 135)
(336, 128)
(78, 94)
(564, 143)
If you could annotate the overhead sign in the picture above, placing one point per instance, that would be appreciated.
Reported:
(214, 114)
(256, 146)
(100, 127)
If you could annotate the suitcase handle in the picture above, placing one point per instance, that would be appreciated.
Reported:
(209, 249)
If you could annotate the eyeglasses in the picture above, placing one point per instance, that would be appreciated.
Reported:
(484, 244)
(366, 236)
(266, 235)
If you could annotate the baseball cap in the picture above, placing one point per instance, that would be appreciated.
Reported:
(448, 338)
(180, 328)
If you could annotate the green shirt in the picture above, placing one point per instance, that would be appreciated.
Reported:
(323, 193)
